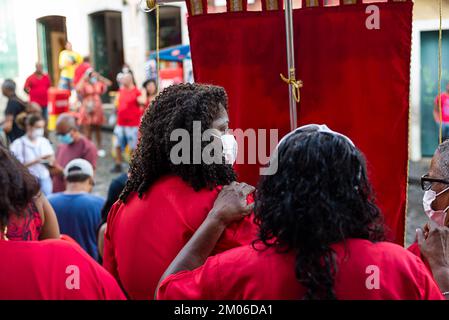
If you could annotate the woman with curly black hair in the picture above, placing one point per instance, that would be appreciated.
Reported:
(320, 236)
(166, 200)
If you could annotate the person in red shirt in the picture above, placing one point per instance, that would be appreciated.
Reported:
(320, 235)
(444, 112)
(37, 85)
(49, 269)
(129, 113)
(164, 202)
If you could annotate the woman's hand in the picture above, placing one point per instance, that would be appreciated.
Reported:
(231, 205)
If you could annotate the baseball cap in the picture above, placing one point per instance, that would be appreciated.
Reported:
(78, 166)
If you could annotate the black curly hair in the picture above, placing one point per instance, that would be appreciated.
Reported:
(319, 196)
(18, 186)
(177, 107)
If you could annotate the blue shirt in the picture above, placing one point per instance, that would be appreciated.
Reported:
(79, 216)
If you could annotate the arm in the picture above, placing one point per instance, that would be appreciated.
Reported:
(7, 125)
(100, 239)
(80, 86)
(106, 81)
(31, 163)
(141, 100)
(436, 112)
(230, 206)
(435, 250)
(26, 86)
(50, 228)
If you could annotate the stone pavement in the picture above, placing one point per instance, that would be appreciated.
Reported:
(415, 212)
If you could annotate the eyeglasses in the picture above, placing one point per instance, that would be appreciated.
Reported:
(426, 182)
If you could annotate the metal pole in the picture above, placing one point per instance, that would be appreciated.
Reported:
(290, 61)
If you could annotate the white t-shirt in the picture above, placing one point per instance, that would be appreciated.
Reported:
(26, 151)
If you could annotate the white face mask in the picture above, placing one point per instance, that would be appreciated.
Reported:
(230, 148)
(37, 133)
(438, 216)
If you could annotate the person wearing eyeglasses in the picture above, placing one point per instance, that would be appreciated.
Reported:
(431, 240)
(321, 235)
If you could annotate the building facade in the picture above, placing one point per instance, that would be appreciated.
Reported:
(110, 32)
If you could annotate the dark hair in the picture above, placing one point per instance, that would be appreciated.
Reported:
(78, 178)
(18, 186)
(147, 82)
(319, 196)
(177, 107)
(32, 119)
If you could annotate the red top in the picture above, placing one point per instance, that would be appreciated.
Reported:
(80, 71)
(444, 106)
(82, 148)
(129, 111)
(144, 235)
(244, 273)
(414, 248)
(52, 270)
(38, 85)
(26, 227)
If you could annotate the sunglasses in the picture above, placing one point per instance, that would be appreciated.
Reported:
(426, 182)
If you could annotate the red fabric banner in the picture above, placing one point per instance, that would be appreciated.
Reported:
(356, 80)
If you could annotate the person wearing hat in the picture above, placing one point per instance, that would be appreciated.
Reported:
(78, 211)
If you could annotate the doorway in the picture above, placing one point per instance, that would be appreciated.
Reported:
(429, 86)
(170, 27)
(106, 44)
(51, 39)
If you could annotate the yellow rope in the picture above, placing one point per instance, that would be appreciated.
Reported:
(440, 37)
(158, 65)
(296, 84)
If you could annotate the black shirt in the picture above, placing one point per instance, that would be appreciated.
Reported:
(14, 107)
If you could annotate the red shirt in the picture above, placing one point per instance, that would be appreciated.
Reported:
(144, 235)
(244, 273)
(80, 71)
(40, 270)
(37, 86)
(129, 111)
(82, 148)
(444, 106)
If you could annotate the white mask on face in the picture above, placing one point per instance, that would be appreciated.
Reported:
(230, 148)
(37, 133)
(438, 216)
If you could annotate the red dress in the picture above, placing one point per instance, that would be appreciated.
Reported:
(27, 227)
(91, 111)
(144, 235)
(245, 273)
